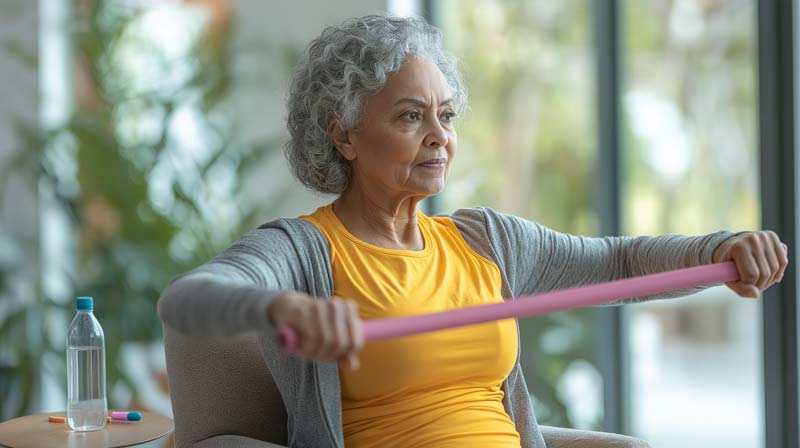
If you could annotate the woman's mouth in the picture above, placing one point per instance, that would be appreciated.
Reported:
(435, 163)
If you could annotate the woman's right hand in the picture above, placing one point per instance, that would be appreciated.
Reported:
(330, 330)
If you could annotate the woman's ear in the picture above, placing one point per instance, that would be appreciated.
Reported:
(341, 139)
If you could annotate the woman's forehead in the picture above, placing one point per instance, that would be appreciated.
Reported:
(418, 79)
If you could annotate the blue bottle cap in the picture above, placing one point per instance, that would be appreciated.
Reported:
(84, 304)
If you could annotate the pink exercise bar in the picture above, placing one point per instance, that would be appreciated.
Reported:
(549, 302)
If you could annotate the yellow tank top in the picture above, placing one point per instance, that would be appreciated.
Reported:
(440, 389)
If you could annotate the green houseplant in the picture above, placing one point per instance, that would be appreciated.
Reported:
(142, 203)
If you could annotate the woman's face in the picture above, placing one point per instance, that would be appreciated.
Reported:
(406, 140)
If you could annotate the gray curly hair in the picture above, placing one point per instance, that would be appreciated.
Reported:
(343, 67)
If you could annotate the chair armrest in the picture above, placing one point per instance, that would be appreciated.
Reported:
(232, 441)
(555, 437)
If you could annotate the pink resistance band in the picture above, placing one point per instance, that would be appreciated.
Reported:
(566, 299)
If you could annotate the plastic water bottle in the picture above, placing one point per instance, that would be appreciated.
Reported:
(87, 408)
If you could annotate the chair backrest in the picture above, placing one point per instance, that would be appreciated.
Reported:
(221, 387)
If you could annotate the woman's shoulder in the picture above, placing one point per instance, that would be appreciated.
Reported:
(498, 228)
(480, 217)
(300, 228)
(467, 213)
(304, 225)
(282, 235)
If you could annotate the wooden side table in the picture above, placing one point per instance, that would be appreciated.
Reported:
(34, 431)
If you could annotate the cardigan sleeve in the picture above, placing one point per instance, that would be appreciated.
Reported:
(537, 259)
(231, 293)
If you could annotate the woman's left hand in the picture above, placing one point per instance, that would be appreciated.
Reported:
(759, 257)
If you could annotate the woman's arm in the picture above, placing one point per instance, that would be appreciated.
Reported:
(538, 259)
(232, 293)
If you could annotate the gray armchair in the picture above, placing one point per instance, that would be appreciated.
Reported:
(223, 396)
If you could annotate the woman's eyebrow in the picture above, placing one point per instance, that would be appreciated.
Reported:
(421, 103)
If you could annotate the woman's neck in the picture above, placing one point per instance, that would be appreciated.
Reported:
(380, 219)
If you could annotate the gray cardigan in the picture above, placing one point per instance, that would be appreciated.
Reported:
(230, 295)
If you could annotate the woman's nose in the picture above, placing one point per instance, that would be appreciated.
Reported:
(436, 137)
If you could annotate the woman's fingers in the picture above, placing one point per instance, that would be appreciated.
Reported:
(748, 275)
(329, 330)
(780, 254)
(331, 340)
(351, 361)
(355, 335)
(298, 317)
(342, 343)
(759, 254)
(760, 260)
(313, 331)
(743, 290)
(771, 249)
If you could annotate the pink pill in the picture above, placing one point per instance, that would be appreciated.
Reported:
(124, 415)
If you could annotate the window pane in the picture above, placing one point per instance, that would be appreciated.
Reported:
(527, 147)
(691, 167)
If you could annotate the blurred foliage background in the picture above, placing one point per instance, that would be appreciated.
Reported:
(148, 172)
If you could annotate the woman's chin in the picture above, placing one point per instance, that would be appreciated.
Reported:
(425, 186)
(431, 188)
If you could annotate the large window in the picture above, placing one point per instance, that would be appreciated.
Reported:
(691, 166)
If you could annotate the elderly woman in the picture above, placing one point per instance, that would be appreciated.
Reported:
(371, 120)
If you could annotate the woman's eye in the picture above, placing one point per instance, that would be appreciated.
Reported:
(413, 115)
(416, 116)
(448, 117)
